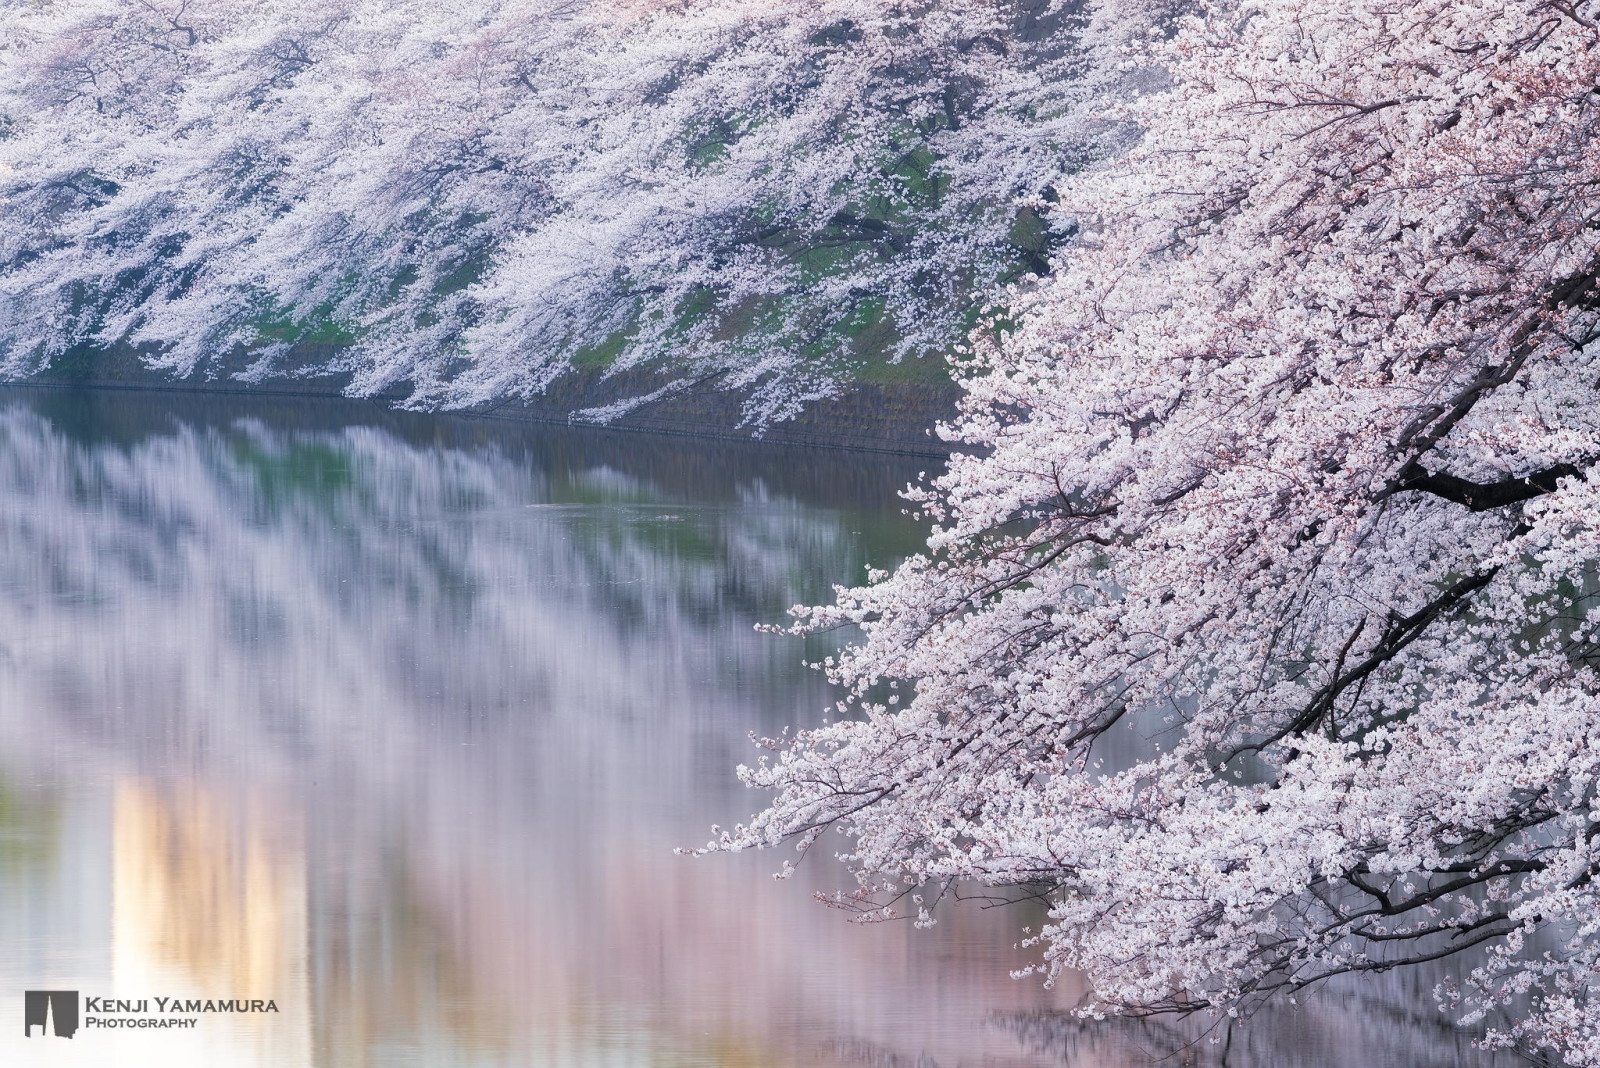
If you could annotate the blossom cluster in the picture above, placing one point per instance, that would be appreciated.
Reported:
(1255, 629)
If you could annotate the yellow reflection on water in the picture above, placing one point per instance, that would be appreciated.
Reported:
(209, 901)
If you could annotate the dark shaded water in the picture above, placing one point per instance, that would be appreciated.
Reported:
(396, 721)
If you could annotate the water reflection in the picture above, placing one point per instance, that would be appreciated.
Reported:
(208, 897)
(396, 721)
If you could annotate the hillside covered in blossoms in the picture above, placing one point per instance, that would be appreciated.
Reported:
(465, 202)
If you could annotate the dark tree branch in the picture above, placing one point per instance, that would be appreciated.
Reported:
(1436, 420)
(1400, 632)
(1480, 496)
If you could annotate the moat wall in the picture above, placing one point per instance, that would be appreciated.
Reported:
(893, 417)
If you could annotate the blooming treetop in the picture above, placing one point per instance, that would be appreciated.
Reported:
(1290, 464)
(470, 197)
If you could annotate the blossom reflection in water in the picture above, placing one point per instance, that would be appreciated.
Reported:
(397, 722)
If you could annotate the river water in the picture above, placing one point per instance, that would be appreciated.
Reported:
(395, 721)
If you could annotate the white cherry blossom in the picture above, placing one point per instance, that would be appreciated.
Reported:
(1254, 632)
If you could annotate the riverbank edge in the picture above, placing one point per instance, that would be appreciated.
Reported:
(896, 418)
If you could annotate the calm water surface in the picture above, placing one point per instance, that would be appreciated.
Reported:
(396, 721)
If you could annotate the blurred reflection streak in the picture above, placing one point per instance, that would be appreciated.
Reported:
(209, 902)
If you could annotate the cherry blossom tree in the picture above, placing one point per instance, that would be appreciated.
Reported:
(473, 198)
(1255, 631)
